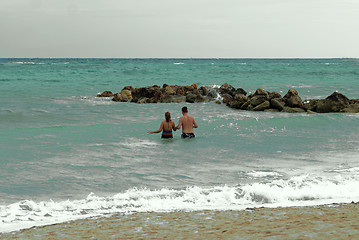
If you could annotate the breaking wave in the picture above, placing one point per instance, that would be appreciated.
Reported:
(304, 190)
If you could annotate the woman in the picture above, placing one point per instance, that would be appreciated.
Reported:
(167, 126)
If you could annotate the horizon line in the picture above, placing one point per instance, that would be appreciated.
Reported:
(185, 58)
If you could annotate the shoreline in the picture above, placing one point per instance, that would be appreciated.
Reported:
(339, 221)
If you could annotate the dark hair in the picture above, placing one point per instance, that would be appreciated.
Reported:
(168, 116)
(184, 109)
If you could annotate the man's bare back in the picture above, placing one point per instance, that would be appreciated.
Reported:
(187, 123)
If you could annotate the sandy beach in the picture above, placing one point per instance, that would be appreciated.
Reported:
(336, 221)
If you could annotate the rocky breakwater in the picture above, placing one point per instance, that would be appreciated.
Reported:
(164, 94)
(261, 100)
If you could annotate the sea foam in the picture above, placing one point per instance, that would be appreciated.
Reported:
(303, 190)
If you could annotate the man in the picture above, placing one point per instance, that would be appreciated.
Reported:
(187, 123)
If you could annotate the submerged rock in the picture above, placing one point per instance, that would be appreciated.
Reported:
(293, 110)
(105, 94)
(173, 98)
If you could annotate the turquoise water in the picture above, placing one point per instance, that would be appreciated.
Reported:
(67, 154)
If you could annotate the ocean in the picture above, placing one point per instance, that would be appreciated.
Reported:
(66, 154)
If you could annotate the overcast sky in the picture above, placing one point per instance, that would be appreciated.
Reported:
(182, 28)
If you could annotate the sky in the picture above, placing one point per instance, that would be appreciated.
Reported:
(179, 29)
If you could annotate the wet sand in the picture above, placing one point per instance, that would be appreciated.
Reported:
(337, 221)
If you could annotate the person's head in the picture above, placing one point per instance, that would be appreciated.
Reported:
(184, 110)
(168, 116)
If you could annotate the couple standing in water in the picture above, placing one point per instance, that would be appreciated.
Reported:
(187, 123)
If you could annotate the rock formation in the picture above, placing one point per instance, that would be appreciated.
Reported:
(261, 100)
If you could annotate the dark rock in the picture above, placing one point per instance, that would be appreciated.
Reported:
(168, 99)
(240, 97)
(106, 94)
(226, 88)
(238, 101)
(201, 98)
(322, 106)
(147, 92)
(261, 91)
(292, 99)
(247, 106)
(157, 97)
(352, 108)
(250, 107)
(123, 96)
(277, 103)
(235, 104)
(257, 99)
(227, 98)
(262, 106)
(195, 98)
(143, 100)
(311, 112)
(212, 93)
(188, 89)
(128, 88)
(203, 90)
(240, 91)
(338, 97)
(333, 103)
(195, 91)
(261, 100)
(194, 85)
(293, 110)
(310, 105)
(271, 110)
(180, 91)
(274, 95)
(191, 98)
(178, 98)
(169, 90)
(173, 98)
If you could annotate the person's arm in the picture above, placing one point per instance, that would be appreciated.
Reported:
(179, 123)
(174, 126)
(195, 125)
(159, 130)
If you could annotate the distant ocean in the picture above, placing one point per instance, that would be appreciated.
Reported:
(66, 154)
